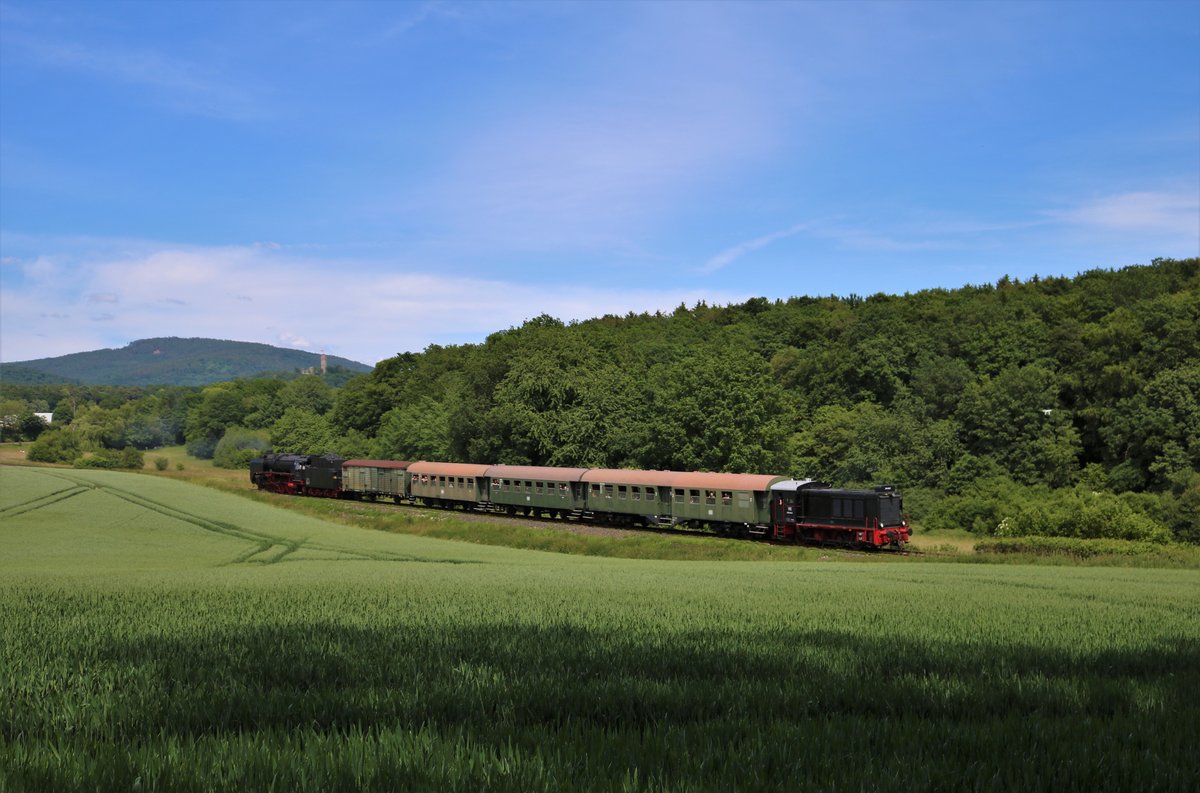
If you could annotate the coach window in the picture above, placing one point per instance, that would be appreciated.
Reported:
(470, 482)
(596, 491)
(726, 497)
(622, 491)
(678, 496)
(528, 486)
(710, 497)
(693, 496)
(537, 486)
(635, 493)
(608, 491)
(497, 483)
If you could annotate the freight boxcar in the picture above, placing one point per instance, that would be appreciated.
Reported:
(372, 479)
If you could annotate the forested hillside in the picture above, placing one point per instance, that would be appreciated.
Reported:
(1065, 406)
(169, 361)
(964, 397)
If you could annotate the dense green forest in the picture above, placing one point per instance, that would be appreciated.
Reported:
(170, 361)
(1058, 406)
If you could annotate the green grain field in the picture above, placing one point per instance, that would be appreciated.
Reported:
(157, 635)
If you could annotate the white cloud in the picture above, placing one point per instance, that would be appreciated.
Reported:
(363, 310)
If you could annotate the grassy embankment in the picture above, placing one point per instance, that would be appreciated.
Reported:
(160, 636)
(929, 546)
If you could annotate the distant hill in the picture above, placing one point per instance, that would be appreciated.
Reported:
(171, 361)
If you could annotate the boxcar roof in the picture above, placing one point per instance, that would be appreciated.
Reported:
(448, 469)
(539, 472)
(401, 464)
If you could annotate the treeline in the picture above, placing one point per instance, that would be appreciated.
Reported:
(1057, 406)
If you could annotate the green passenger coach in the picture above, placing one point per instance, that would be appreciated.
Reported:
(630, 497)
(449, 484)
(531, 490)
(724, 500)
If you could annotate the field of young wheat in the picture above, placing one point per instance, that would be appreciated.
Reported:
(156, 635)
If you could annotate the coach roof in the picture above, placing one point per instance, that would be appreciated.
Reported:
(712, 481)
(540, 473)
(622, 476)
(448, 469)
(708, 481)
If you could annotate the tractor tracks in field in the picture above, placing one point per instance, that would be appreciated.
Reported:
(43, 501)
(265, 549)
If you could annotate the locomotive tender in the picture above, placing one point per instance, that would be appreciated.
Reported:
(746, 505)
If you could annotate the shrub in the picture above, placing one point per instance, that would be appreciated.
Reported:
(1067, 546)
(1079, 513)
(132, 458)
(55, 446)
(128, 457)
(239, 446)
(160, 463)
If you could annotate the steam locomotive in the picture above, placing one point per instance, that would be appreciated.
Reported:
(762, 506)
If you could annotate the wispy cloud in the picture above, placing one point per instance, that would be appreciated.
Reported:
(171, 81)
(410, 16)
(631, 134)
(1172, 212)
(729, 255)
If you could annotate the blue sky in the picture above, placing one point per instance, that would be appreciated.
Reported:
(372, 178)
